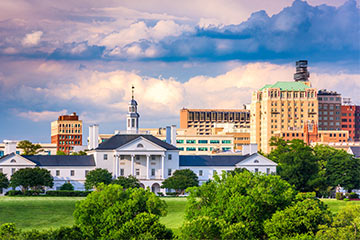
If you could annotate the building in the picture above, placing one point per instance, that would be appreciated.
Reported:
(354, 150)
(201, 121)
(143, 156)
(9, 146)
(350, 120)
(66, 132)
(329, 110)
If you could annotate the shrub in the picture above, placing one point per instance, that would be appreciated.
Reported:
(171, 193)
(13, 193)
(67, 186)
(68, 193)
(33, 192)
(202, 227)
(8, 231)
(346, 199)
(339, 196)
(352, 195)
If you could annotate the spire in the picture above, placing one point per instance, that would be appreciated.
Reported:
(132, 92)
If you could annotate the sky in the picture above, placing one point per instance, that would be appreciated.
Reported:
(83, 56)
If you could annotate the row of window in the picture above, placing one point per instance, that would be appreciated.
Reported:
(329, 98)
(202, 149)
(180, 141)
(69, 142)
(2, 153)
(214, 172)
(70, 125)
(283, 94)
(137, 157)
(69, 137)
(69, 131)
(137, 172)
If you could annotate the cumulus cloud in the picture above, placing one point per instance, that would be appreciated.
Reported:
(41, 116)
(32, 39)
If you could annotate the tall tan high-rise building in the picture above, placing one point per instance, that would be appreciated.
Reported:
(283, 107)
(66, 132)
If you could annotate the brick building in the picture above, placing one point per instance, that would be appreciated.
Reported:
(66, 132)
(350, 121)
(329, 110)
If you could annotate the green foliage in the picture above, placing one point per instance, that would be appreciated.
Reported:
(4, 182)
(181, 180)
(67, 186)
(29, 148)
(243, 201)
(296, 163)
(68, 193)
(8, 231)
(14, 193)
(303, 217)
(202, 227)
(97, 176)
(339, 196)
(59, 152)
(80, 153)
(346, 225)
(34, 178)
(106, 212)
(127, 182)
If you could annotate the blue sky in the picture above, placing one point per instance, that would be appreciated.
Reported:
(58, 57)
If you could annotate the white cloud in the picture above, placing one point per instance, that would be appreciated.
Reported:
(41, 116)
(32, 39)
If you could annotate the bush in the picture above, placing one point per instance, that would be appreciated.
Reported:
(33, 193)
(346, 199)
(352, 195)
(68, 193)
(8, 231)
(339, 196)
(13, 193)
(171, 193)
(67, 186)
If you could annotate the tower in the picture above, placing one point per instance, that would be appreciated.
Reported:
(302, 74)
(132, 120)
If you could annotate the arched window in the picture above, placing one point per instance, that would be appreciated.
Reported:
(140, 145)
(13, 161)
(256, 161)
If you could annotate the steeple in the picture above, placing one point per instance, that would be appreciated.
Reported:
(132, 120)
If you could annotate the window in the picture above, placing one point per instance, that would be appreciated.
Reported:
(86, 172)
(203, 141)
(137, 157)
(202, 149)
(1, 153)
(137, 172)
(13, 170)
(256, 170)
(214, 141)
(122, 157)
(214, 172)
(169, 172)
(57, 172)
(140, 145)
(122, 172)
(153, 172)
(226, 141)
(169, 156)
(152, 157)
(105, 157)
(72, 173)
(181, 148)
(268, 171)
(226, 148)
(190, 141)
(17, 152)
(1, 170)
(12, 161)
(256, 161)
(200, 172)
(179, 141)
(190, 149)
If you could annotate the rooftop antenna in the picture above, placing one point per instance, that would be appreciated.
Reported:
(132, 91)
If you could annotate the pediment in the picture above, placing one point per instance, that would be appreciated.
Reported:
(15, 160)
(140, 144)
(256, 160)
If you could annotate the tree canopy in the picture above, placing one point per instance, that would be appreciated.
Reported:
(181, 180)
(234, 206)
(127, 182)
(114, 213)
(4, 181)
(97, 176)
(34, 178)
(59, 152)
(29, 148)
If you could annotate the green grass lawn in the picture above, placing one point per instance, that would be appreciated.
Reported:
(335, 205)
(175, 216)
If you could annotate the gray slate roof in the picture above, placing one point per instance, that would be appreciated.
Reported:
(356, 151)
(61, 160)
(211, 160)
(122, 139)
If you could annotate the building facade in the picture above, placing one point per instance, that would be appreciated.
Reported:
(46, 148)
(66, 132)
(329, 110)
(201, 121)
(350, 121)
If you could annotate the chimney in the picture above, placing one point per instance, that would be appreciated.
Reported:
(10, 146)
(168, 134)
(173, 135)
(90, 143)
(95, 135)
(249, 149)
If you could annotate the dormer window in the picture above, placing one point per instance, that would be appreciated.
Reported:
(140, 145)
(13, 161)
(256, 161)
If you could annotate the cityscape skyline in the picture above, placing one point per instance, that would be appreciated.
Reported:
(45, 73)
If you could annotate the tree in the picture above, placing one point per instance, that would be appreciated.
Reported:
(59, 152)
(80, 153)
(114, 213)
(4, 182)
(346, 225)
(302, 218)
(181, 180)
(67, 186)
(34, 178)
(344, 170)
(242, 201)
(127, 182)
(29, 148)
(296, 163)
(97, 176)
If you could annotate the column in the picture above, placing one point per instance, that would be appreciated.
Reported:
(147, 166)
(132, 165)
(163, 166)
(117, 165)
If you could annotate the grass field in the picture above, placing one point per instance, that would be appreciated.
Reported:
(53, 212)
